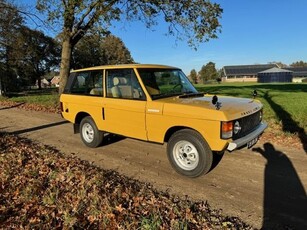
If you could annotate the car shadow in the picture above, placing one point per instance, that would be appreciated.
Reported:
(285, 201)
(13, 106)
(110, 138)
(288, 124)
(38, 127)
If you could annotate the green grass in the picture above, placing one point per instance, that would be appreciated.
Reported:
(45, 100)
(284, 104)
(47, 97)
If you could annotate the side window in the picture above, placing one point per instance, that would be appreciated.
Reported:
(123, 83)
(97, 87)
(78, 86)
(88, 83)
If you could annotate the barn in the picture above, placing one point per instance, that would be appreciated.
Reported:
(244, 73)
(275, 75)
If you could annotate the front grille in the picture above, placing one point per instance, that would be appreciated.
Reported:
(248, 124)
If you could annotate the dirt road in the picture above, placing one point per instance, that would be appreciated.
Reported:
(265, 186)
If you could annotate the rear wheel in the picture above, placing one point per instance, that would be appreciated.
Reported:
(89, 132)
(189, 153)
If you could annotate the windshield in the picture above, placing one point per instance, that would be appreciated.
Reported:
(166, 82)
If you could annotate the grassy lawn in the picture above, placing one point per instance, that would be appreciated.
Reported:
(47, 97)
(284, 104)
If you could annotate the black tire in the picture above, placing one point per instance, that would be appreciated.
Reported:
(189, 153)
(89, 133)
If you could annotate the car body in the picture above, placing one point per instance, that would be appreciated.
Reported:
(157, 103)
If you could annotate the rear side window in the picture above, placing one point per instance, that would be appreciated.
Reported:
(88, 83)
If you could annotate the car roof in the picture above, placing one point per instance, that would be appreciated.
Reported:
(124, 66)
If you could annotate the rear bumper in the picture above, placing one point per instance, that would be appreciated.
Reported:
(244, 140)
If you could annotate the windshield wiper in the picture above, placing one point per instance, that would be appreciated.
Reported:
(191, 94)
(163, 95)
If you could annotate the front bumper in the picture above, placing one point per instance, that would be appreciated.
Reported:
(244, 140)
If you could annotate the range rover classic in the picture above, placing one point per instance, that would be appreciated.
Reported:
(157, 103)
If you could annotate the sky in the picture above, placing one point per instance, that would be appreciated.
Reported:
(253, 32)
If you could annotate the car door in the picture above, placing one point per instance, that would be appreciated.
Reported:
(125, 102)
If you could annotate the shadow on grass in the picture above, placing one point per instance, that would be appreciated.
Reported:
(13, 106)
(288, 124)
(285, 201)
(39, 127)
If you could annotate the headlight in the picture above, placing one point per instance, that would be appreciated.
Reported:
(237, 128)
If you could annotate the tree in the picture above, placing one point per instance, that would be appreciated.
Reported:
(96, 49)
(299, 64)
(10, 23)
(115, 51)
(193, 76)
(279, 64)
(195, 20)
(208, 72)
(36, 54)
(25, 54)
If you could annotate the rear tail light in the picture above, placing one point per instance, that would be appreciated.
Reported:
(226, 129)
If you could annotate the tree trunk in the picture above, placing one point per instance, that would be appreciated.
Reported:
(65, 62)
(0, 84)
(39, 83)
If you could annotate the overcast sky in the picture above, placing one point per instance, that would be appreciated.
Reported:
(253, 32)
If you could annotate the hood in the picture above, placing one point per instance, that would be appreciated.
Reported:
(230, 108)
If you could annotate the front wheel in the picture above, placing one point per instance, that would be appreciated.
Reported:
(89, 132)
(189, 153)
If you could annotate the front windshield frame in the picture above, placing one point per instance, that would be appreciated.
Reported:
(165, 82)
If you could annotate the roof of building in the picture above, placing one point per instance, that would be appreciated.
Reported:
(276, 70)
(246, 70)
(298, 71)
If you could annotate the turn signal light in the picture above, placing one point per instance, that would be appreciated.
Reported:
(226, 129)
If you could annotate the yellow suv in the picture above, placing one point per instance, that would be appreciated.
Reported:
(158, 103)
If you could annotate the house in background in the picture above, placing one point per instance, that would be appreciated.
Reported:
(244, 73)
(275, 75)
(299, 73)
(44, 83)
(268, 73)
(55, 81)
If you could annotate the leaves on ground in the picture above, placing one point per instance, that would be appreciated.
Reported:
(30, 107)
(40, 188)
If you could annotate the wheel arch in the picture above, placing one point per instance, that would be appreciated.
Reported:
(78, 120)
(174, 129)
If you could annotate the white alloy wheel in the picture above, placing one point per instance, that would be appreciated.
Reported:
(90, 135)
(88, 132)
(189, 153)
(185, 155)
